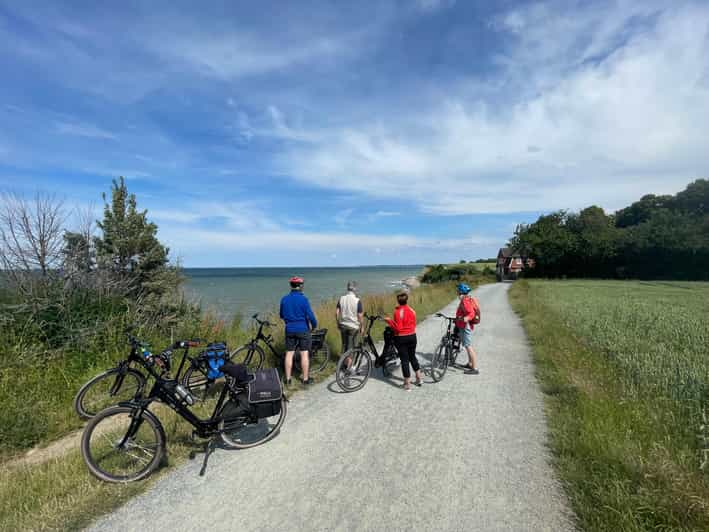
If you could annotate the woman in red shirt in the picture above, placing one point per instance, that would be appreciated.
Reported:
(404, 326)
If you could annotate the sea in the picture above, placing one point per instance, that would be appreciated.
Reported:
(245, 291)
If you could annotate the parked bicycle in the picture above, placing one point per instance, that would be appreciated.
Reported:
(253, 356)
(355, 365)
(447, 351)
(127, 442)
(124, 382)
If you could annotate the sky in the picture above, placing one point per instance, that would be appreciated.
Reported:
(352, 133)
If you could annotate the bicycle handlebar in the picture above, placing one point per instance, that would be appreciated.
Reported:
(265, 323)
(445, 317)
(182, 344)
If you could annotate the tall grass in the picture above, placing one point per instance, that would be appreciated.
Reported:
(625, 370)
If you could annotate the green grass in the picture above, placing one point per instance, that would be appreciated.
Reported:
(61, 494)
(625, 370)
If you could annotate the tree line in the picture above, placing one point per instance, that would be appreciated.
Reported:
(657, 237)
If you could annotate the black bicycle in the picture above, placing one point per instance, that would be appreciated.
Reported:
(447, 351)
(124, 382)
(127, 442)
(253, 356)
(355, 365)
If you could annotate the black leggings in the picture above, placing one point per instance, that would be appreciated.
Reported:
(406, 346)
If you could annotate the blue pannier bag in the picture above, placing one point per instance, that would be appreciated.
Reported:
(215, 354)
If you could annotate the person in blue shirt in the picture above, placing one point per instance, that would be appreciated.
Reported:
(299, 320)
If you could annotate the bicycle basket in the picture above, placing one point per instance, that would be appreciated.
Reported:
(318, 338)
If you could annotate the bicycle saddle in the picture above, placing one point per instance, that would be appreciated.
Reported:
(238, 371)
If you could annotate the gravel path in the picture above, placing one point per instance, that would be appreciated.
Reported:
(467, 453)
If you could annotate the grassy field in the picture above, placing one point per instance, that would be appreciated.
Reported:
(625, 370)
(60, 494)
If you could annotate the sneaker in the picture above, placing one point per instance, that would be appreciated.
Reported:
(307, 383)
(418, 383)
(406, 387)
(472, 371)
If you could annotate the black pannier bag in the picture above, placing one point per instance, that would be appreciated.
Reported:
(236, 408)
(265, 393)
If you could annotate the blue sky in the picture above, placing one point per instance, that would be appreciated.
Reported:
(323, 133)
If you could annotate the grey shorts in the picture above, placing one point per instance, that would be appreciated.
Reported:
(349, 338)
(466, 337)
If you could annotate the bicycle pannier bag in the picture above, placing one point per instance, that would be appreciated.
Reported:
(215, 355)
(265, 393)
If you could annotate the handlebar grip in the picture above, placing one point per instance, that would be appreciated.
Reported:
(193, 343)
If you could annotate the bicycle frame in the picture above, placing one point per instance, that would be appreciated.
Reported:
(367, 341)
(261, 337)
(161, 392)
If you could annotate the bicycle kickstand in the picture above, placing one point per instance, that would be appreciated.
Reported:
(208, 449)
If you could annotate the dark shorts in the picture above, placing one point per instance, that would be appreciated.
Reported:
(298, 341)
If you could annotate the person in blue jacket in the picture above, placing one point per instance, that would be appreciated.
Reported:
(299, 320)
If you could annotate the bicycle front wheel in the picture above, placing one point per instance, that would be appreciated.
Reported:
(118, 448)
(250, 355)
(247, 432)
(439, 364)
(353, 369)
(107, 389)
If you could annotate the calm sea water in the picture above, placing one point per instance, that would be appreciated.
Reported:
(247, 290)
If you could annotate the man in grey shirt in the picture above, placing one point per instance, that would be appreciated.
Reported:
(349, 315)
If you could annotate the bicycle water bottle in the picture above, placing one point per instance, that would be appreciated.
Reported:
(183, 394)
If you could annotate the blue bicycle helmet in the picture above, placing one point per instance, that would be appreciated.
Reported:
(463, 288)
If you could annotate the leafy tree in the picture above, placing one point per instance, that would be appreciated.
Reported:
(656, 237)
(640, 211)
(129, 248)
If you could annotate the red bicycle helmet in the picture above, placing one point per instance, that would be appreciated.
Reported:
(296, 280)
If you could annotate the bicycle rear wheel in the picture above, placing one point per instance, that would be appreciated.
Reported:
(246, 432)
(353, 369)
(318, 359)
(107, 389)
(251, 355)
(439, 364)
(117, 448)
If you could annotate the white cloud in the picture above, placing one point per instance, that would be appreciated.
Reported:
(83, 130)
(432, 5)
(231, 216)
(621, 115)
(191, 239)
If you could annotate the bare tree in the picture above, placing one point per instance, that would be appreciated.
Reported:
(31, 237)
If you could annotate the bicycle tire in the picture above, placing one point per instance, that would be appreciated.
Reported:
(196, 380)
(318, 359)
(230, 438)
(439, 363)
(86, 409)
(249, 354)
(113, 430)
(359, 372)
